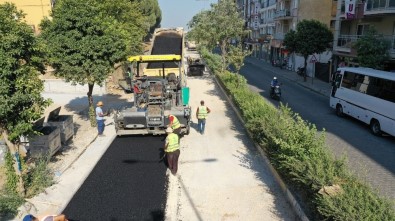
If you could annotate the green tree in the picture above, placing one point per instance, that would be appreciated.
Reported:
(372, 49)
(218, 26)
(197, 25)
(311, 37)
(290, 43)
(236, 57)
(20, 87)
(84, 42)
(131, 21)
(151, 12)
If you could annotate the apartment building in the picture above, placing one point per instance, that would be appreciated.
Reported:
(35, 10)
(267, 28)
(354, 22)
(288, 14)
(276, 18)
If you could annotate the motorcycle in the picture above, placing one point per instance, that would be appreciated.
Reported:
(275, 63)
(300, 71)
(275, 92)
(283, 64)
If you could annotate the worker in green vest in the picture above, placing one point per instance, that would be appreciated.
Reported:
(172, 149)
(201, 114)
(174, 123)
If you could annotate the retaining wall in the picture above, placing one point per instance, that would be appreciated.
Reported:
(61, 86)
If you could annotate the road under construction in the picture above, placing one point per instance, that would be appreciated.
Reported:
(221, 176)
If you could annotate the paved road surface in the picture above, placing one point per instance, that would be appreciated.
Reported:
(369, 156)
(128, 183)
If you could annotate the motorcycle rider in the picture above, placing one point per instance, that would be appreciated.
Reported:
(273, 84)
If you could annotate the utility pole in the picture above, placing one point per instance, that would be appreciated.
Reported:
(337, 25)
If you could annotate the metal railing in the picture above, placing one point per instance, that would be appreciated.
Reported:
(376, 6)
(269, 3)
(282, 13)
(380, 5)
(279, 36)
(347, 42)
(266, 20)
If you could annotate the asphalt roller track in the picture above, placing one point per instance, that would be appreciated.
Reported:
(128, 183)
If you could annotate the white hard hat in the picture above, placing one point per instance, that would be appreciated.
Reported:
(169, 130)
(275, 78)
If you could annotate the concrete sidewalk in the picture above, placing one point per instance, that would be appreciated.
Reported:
(74, 162)
(314, 84)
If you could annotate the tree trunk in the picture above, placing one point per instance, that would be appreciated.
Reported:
(223, 55)
(293, 62)
(14, 150)
(92, 114)
(305, 68)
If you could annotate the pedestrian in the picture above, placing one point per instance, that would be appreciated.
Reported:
(201, 114)
(172, 150)
(60, 217)
(100, 118)
(174, 123)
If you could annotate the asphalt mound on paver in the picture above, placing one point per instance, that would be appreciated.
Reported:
(128, 183)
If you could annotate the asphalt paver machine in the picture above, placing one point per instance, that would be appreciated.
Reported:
(157, 92)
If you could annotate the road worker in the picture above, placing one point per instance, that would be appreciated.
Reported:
(100, 118)
(172, 149)
(201, 114)
(174, 123)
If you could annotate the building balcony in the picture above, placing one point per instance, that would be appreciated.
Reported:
(346, 42)
(271, 24)
(372, 7)
(279, 36)
(379, 7)
(266, 20)
(282, 15)
(268, 7)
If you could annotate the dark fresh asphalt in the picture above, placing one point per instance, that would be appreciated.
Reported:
(128, 183)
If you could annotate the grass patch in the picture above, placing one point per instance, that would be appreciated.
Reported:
(9, 203)
(36, 177)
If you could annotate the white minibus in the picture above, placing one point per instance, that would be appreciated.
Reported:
(367, 95)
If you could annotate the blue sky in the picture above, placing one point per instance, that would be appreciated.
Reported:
(177, 13)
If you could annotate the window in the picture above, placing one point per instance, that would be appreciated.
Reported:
(393, 38)
(387, 90)
(348, 79)
(295, 4)
(373, 86)
(382, 3)
(362, 29)
(360, 83)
